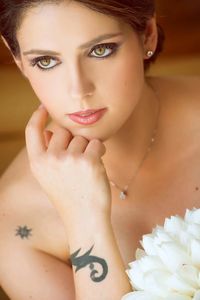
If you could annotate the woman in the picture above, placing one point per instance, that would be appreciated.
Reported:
(121, 152)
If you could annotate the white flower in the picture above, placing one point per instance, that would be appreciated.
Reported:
(169, 266)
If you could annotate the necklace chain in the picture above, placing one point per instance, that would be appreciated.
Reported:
(124, 192)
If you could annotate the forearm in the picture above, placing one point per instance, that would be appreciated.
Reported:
(110, 282)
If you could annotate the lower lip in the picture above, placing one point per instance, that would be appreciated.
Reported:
(88, 120)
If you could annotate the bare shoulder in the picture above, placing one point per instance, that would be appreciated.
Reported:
(179, 96)
(17, 183)
(181, 87)
(26, 213)
(179, 121)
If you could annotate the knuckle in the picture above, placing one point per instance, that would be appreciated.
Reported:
(58, 129)
(95, 143)
(80, 138)
(62, 131)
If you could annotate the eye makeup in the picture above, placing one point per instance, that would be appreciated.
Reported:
(111, 48)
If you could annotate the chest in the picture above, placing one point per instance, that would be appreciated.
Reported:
(151, 199)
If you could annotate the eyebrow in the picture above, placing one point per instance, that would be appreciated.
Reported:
(84, 46)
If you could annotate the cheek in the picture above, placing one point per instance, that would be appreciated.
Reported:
(45, 88)
(124, 81)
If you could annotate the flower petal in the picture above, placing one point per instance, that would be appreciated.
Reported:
(195, 252)
(139, 268)
(175, 225)
(176, 283)
(141, 296)
(139, 253)
(175, 296)
(194, 230)
(155, 282)
(173, 255)
(189, 274)
(197, 295)
(192, 216)
(148, 244)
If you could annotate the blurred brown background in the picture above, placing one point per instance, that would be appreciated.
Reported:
(181, 22)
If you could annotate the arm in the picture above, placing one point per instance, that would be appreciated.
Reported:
(94, 248)
(27, 273)
(70, 171)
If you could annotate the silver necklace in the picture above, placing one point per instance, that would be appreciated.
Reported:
(124, 191)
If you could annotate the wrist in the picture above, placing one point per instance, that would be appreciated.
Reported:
(89, 232)
(85, 221)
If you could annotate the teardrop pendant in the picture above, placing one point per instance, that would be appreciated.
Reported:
(122, 195)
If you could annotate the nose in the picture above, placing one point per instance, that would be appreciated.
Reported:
(81, 86)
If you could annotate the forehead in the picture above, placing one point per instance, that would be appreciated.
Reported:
(71, 20)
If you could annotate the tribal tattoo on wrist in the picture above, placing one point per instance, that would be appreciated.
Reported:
(85, 260)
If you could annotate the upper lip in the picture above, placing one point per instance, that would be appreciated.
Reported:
(86, 112)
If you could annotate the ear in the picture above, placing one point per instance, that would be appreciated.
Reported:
(17, 60)
(150, 37)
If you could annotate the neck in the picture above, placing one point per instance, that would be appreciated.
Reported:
(126, 149)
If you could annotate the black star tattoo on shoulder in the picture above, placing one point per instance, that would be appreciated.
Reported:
(86, 259)
(23, 232)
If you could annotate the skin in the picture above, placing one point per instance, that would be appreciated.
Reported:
(79, 74)
(74, 150)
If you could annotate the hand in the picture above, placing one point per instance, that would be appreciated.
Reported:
(69, 169)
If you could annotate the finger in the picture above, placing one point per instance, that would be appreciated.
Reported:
(47, 136)
(77, 145)
(59, 140)
(95, 149)
(35, 140)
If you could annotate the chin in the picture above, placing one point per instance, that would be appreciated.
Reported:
(91, 133)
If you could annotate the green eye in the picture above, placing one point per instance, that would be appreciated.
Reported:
(100, 51)
(44, 62)
(104, 50)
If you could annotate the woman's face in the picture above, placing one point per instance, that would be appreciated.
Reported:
(62, 71)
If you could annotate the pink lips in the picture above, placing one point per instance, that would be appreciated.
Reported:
(87, 117)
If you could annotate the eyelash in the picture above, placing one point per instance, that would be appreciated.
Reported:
(113, 46)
